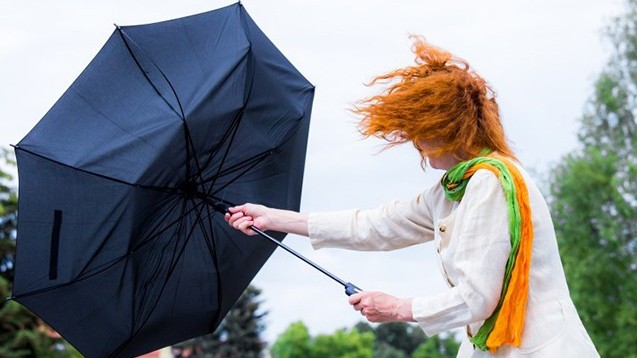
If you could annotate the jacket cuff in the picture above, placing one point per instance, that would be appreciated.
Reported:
(441, 312)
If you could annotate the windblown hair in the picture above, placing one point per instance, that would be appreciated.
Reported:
(440, 101)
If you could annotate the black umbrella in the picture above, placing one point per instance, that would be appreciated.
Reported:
(119, 247)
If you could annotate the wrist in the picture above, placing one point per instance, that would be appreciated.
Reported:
(287, 221)
(403, 310)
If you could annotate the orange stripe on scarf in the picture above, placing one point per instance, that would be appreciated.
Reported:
(510, 323)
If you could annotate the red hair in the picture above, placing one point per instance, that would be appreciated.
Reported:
(440, 101)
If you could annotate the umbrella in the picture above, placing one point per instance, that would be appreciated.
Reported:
(120, 246)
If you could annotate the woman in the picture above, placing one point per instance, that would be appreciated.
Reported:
(487, 219)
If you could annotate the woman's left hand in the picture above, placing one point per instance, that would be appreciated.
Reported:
(381, 307)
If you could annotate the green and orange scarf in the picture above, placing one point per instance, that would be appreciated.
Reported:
(506, 323)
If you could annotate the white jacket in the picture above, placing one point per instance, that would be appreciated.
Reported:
(472, 239)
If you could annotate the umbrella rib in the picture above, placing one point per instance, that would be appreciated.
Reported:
(168, 275)
(166, 213)
(249, 161)
(125, 36)
(225, 154)
(238, 122)
(113, 122)
(238, 176)
(150, 238)
(141, 186)
(212, 250)
(188, 137)
(233, 127)
(152, 276)
(102, 268)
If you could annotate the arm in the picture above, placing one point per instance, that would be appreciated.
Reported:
(395, 225)
(479, 260)
(476, 262)
(242, 217)
(392, 226)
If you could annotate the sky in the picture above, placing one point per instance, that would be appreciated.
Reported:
(540, 56)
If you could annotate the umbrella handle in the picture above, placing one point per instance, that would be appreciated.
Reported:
(351, 289)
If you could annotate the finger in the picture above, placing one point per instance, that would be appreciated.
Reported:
(234, 217)
(245, 224)
(236, 209)
(355, 298)
(237, 224)
(238, 218)
(240, 224)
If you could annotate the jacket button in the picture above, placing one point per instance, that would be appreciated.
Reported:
(443, 228)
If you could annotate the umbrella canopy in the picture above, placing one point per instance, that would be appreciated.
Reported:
(119, 248)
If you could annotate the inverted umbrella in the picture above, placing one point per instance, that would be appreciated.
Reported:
(119, 246)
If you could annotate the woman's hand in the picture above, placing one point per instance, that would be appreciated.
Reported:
(242, 217)
(381, 307)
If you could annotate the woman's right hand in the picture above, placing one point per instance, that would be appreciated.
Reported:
(242, 217)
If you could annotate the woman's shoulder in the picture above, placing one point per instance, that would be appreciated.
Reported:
(435, 199)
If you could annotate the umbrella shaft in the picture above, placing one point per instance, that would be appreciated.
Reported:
(222, 207)
(290, 250)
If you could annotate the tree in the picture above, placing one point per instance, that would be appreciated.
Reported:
(345, 344)
(296, 342)
(436, 347)
(238, 335)
(387, 340)
(593, 199)
(293, 343)
(399, 335)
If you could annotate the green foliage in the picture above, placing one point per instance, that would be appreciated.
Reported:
(400, 335)
(387, 340)
(22, 334)
(594, 201)
(238, 335)
(436, 347)
(342, 343)
(294, 342)
(384, 350)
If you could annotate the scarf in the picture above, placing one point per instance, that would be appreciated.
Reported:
(506, 323)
